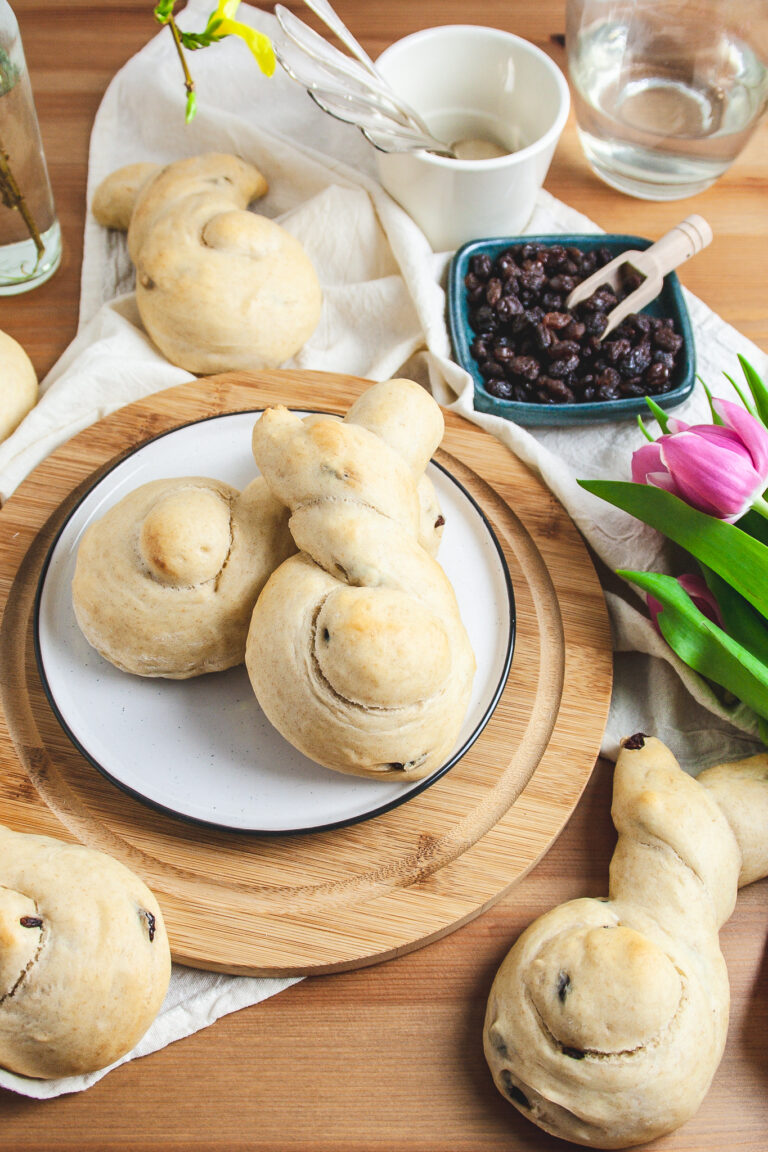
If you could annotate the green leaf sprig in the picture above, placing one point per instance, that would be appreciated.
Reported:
(221, 23)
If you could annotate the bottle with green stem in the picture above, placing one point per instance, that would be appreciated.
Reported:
(30, 237)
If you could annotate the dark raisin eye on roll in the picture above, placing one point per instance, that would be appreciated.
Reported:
(528, 348)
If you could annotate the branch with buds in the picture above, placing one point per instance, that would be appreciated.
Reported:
(221, 23)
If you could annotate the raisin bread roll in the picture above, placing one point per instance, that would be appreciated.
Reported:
(356, 650)
(166, 580)
(84, 957)
(217, 287)
(607, 1020)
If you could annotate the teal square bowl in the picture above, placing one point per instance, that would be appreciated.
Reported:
(669, 302)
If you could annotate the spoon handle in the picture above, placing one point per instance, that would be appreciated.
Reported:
(333, 21)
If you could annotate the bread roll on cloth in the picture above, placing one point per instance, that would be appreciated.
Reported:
(166, 580)
(218, 287)
(356, 650)
(84, 957)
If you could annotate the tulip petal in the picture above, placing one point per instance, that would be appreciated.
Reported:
(645, 460)
(712, 473)
(749, 430)
(702, 596)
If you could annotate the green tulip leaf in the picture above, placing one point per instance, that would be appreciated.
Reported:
(701, 645)
(755, 525)
(742, 623)
(741, 560)
(661, 417)
(757, 388)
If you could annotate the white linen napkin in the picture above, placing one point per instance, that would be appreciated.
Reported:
(383, 315)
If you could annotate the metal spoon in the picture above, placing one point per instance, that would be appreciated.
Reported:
(333, 21)
(385, 127)
(382, 132)
(366, 81)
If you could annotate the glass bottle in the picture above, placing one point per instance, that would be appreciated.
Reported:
(30, 237)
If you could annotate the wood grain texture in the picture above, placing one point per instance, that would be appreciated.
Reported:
(293, 905)
(387, 1058)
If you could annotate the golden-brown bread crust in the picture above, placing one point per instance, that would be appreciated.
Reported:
(84, 957)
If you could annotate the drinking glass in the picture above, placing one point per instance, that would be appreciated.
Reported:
(666, 92)
(30, 237)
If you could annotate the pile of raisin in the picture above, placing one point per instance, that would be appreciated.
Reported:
(528, 348)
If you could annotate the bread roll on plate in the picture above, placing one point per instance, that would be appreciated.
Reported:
(166, 580)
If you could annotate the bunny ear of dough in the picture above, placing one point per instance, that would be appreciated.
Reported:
(166, 580)
(607, 1019)
(84, 957)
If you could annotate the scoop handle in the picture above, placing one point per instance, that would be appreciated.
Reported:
(676, 246)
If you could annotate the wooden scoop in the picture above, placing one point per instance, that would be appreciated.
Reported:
(673, 249)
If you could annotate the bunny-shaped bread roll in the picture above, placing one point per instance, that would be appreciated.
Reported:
(84, 957)
(607, 1020)
(166, 580)
(217, 287)
(356, 650)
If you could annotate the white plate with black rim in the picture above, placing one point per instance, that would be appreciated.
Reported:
(202, 749)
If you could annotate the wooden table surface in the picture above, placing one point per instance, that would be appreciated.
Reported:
(387, 1058)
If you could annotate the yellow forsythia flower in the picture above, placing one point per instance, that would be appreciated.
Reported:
(258, 43)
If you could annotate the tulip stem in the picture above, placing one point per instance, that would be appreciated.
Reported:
(760, 505)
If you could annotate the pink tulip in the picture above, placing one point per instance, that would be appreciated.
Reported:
(720, 469)
(696, 587)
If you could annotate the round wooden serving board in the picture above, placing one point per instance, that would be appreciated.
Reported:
(323, 902)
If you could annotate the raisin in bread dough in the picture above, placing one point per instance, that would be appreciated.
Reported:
(84, 957)
(166, 580)
(356, 651)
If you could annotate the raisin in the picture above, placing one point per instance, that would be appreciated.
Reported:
(656, 376)
(564, 367)
(562, 348)
(526, 366)
(501, 389)
(515, 1094)
(558, 320)
(508, 307)
(481, 264)
(493, 291)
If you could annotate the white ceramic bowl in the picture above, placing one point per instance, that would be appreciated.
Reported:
(467, 82)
